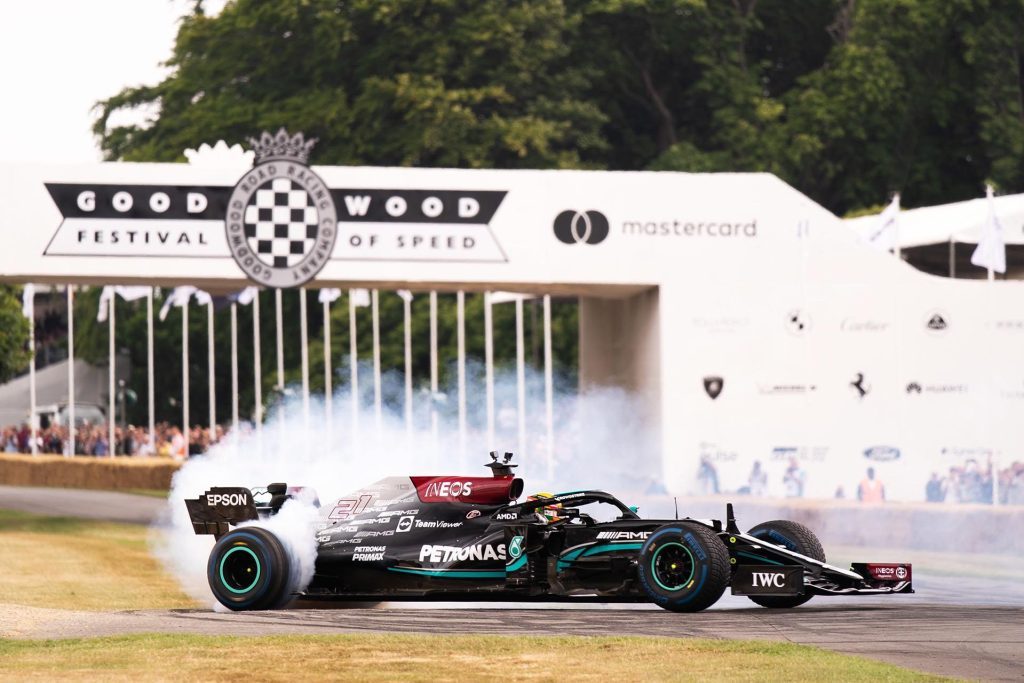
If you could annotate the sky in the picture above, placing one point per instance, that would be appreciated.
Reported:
(59, 57)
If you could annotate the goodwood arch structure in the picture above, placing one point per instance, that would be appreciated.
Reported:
(750, 321)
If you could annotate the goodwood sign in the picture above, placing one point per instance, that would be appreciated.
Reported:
(281, 222)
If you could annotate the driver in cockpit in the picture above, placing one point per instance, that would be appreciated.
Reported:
(548, 513)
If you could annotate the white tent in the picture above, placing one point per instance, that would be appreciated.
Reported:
(959, 222)
(928, 236)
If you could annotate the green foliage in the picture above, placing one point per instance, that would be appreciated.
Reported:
(14, 334)
(848, 101)
(478, 84)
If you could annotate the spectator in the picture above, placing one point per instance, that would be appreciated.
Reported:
(707, 476)
(793, 480)
(935, 489)
(177, 444)
(758, 480)
(871, 490)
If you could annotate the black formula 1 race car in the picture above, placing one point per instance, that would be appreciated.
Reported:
(457, 538)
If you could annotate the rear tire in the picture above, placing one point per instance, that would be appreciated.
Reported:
(249, 570)
(792, 536)
(684, 567)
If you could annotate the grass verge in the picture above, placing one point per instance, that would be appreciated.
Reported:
(79, 564)
(433, 658)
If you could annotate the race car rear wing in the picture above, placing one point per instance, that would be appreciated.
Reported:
(220, 508)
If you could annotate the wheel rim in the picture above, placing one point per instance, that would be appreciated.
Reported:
(672, 566)
(239, 569)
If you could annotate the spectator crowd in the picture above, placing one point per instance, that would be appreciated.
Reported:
(974, 483)
(167, 440)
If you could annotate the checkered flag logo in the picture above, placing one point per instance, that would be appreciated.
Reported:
(281, 223)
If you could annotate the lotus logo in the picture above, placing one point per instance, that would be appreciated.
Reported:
(936, 322)
(713, 386)
(577, 227)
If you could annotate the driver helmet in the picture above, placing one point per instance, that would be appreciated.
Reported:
(548, 512)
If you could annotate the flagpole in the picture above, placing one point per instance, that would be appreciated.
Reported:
(185, 431)
(461, 365)
(111, 308)
(353, 369)
(377, 405)
(71, 369)
(896, 229)
(433, 371)
(211, 370)
(521, 378)
(149, 369)
(489, 368)
(304, 356)
(280, 351)
(234, 366)
(257, 367)
(549, 410)
(33, 419)
(407, 316)
(328, 407)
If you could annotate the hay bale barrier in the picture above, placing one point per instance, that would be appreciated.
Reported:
(118, 473)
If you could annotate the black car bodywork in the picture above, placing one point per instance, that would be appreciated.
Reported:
(455, 537)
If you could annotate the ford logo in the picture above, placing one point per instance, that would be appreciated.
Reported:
(882, 453)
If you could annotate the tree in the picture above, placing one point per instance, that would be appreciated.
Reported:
(14, 331)
(470, 84)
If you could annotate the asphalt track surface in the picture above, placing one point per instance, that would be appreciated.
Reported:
(954, 625)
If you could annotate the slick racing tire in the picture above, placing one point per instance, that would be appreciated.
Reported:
(684, 567)
(249, 570)
(792, 536)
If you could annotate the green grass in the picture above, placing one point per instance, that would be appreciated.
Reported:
(81, 564)
(432, 658)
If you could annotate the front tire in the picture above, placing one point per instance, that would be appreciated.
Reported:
(792, 536)
(684, 567)
(249, 570)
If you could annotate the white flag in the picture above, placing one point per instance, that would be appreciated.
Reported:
(991, 250)
(203, 298)
(405, 294)
(886, 234)
(178, 297)
(105, 296)
(329, 294)
(245, 296)
(28, 301)
(126, 293)
(360, 297)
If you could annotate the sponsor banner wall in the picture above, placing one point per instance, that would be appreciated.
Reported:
(782, 339)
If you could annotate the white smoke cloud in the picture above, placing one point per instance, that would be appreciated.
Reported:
(603, 439)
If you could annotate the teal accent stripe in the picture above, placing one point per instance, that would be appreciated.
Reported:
(611, 547)
(450, 573)
(518, 564)
(568, 559)
(759, 558)
(224, 581)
